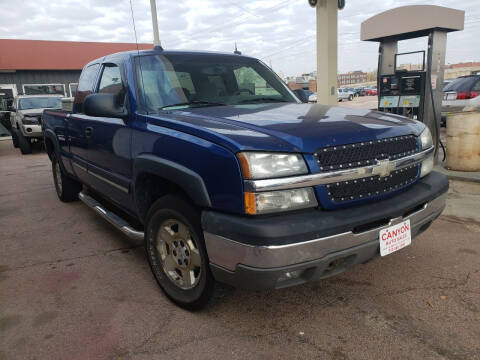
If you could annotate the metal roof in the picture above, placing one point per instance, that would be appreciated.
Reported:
(56, 55)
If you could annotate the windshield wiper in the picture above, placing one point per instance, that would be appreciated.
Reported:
(193, 102)
(262, 99)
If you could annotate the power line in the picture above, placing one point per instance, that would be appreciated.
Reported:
(215, 29)
(243, 9)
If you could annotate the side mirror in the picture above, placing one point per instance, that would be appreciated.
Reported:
(104, 105)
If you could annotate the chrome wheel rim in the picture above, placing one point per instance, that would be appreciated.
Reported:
(58, 177)
(179, 254)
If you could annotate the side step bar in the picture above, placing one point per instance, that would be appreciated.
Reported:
(112, 218)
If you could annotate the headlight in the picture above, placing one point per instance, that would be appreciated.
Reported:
(426, 138)
(426, 143)
(257, 165)
(275, 201)
(30, 120)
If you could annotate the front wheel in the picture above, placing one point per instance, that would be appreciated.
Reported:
(24, 143)
(14, 137)
(67, 188)
(350, 98)
(176, 252)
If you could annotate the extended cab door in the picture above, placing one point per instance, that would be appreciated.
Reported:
(105, 142)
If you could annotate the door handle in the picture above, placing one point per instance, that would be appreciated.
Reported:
(88, 132)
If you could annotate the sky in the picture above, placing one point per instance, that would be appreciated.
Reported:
(280, 32)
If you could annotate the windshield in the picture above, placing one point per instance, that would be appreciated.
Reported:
(167, 82)
(461, 84)
(39, 103)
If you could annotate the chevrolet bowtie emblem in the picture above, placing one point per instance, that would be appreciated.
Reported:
(383, 168)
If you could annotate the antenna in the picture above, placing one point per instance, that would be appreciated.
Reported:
(138, 51)
(134, 28)
(236, 52)
(156, 37)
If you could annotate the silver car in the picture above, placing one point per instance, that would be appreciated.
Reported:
(345, 94)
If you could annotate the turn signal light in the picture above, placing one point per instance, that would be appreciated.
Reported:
(250, 203)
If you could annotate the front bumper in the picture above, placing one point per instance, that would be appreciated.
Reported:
(32, 130)
(290, 249)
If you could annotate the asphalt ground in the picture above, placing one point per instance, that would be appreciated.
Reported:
(72, 287)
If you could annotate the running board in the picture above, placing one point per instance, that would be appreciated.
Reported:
(111, 217)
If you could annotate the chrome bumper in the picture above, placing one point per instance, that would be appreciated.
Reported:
(227, 253)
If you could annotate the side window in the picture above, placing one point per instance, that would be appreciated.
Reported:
(476, 87)
(85, 86)
(111, 81)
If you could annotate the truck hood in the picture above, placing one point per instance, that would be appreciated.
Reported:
(291, 127)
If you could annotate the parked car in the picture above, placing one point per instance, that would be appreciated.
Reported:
(353, 91)
(360, 91)
(460, 93)
(25, 119)
(226, 176)
(4, 114)
(303, 94)
(312, 98)
(371, 91)
(345, 94)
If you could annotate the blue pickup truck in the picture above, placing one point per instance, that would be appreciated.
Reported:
(227, 176)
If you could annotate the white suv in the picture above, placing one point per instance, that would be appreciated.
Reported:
(25, 118)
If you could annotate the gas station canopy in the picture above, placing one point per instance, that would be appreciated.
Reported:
(407, 22)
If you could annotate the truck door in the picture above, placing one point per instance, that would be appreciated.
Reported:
(107, 142)
(76, 136)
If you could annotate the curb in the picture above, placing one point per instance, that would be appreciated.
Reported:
(459, 175)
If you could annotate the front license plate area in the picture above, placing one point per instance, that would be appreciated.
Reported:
(395, 237)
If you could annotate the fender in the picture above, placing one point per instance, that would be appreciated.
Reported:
(49, 134)
(178, 174)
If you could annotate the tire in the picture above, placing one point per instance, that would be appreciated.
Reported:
(67, 188)
(180, 242)
(350, 97)
(14, 138)
(24, 143)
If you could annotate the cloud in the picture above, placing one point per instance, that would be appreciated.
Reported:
(280, 32)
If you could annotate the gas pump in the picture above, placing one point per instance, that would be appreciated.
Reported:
(403, 92)
(413, 93)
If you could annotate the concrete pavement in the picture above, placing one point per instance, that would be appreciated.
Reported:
(71, 287)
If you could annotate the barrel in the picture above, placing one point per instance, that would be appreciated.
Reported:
(463, 141)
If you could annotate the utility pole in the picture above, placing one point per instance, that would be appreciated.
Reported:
(156, 37)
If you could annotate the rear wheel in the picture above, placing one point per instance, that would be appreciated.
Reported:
(176, 252)
(67, 188)
(24, 143)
